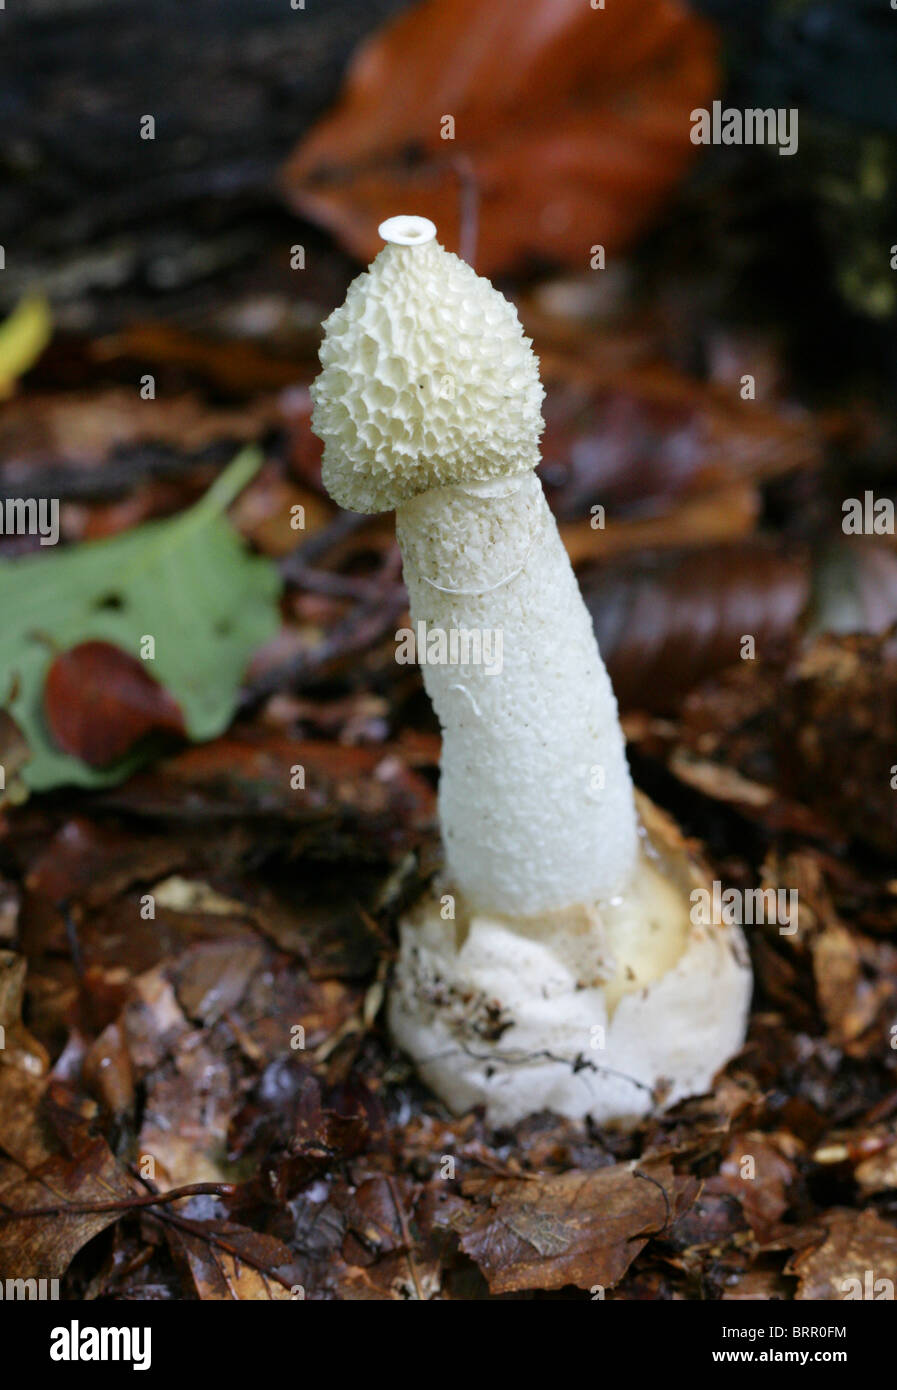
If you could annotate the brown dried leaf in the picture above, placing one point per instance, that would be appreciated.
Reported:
(576, 1227)
(842, 693)
(235, 366)
(639, 438)
(878, 1173)
(212, 977)
(858, 1245)
(188, 1106)
(88, 862)
(761, 1187)
(666, 622)
(227, 1261)
(855, 980)
(369, 796)
(17, 1046)
(711, 518)
(52, 1160)
(75, 431)
(14, 754)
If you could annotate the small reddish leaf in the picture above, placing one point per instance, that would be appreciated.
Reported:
(99, 702)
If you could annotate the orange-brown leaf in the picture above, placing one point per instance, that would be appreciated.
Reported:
(574, 123)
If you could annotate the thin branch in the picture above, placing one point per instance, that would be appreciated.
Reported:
(469, 213)
(124, 1204)
(406, 1236)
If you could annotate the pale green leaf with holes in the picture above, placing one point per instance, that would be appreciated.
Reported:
(189, 582)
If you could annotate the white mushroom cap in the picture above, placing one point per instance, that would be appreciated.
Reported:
(427, 380)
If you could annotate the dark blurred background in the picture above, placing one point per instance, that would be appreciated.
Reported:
(105, 220)
(174, 254)
(108, 223)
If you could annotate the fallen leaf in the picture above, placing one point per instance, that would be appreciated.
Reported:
(198, 1083)
(276, 515)
(51, 1160)
(576, 1227)
(19, 1048)
(644, 436)
(107, 1070)
(841, 692)
(368, 792)
(100, 701)
(234, 366)
(73, 434)
(230, 1262)
(878, 1173)
(373, 1222)
(758, 1176)
(573, 122)
(857, 1245)
(851, 995)
(664, 622)
(712, 518)
(212, 977)
(187, 583)
(286, 1109)
(23, 337)
(90, 863)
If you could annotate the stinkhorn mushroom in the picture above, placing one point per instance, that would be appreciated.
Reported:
(556, 966)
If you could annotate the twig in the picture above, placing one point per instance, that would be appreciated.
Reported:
(406, 1235)
(669, 1211)
(469, 213)
(365, 625)
(314, 581)
(310, 551)
(195, 1189)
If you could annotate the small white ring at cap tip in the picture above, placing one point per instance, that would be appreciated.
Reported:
(407, 230)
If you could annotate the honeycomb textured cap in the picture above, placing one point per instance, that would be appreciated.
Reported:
(427, 380)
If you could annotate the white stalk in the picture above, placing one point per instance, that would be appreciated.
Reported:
(535, 799)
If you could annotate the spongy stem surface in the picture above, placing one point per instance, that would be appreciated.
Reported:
(536, 801)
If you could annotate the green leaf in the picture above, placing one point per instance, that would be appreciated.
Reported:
(188, 582)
